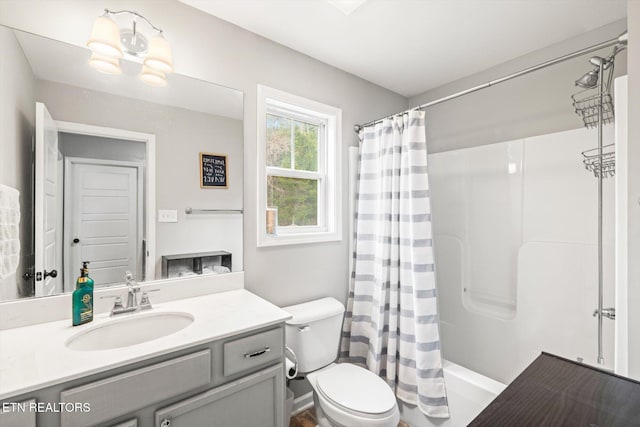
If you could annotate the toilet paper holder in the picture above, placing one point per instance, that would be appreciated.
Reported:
(291, 363)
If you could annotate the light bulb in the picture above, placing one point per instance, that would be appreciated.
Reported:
(159, 56)
(105, 64)
(105, 38)
(152, 77)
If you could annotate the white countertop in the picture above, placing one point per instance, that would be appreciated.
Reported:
(33, 357)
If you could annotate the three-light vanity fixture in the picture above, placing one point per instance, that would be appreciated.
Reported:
(109, 43)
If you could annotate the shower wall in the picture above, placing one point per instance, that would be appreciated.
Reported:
(515, 235)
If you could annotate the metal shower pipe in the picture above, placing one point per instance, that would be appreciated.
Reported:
(600, 250)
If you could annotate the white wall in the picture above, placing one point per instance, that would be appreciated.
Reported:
(527, 235)
(17, 116)
(633, 164)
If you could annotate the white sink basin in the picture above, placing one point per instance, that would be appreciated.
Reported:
(129, 330)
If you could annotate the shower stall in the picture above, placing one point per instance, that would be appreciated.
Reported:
(516, 243)
(525, 233)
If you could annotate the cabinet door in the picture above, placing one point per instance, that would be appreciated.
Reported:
(252, 401)
(19, 414)
(129, 423)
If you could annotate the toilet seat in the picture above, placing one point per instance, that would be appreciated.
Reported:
(346, 387)
(356, 390)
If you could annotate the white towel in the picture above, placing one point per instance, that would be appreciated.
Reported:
(9, 230)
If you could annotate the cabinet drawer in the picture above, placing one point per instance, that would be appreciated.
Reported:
(255, 350)
(128, 392)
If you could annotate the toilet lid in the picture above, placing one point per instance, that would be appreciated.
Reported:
(356, 389)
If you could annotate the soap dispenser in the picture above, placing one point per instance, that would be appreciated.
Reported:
(83, 297)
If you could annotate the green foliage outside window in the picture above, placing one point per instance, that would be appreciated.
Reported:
(295, 198)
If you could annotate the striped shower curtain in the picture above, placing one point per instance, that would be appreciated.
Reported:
(391, 323)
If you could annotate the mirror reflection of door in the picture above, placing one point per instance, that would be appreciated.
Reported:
(48, 206)
(103, 219)
(92, 183)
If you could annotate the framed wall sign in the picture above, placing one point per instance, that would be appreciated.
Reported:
(213, 170)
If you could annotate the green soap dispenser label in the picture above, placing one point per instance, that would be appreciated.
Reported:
(86, 311)
(82, 305)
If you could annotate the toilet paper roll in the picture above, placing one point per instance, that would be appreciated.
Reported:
(291, 368)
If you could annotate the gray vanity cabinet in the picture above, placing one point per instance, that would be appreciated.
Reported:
(231, 382)
(255, 400)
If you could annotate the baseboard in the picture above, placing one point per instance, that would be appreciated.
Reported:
(303, 402)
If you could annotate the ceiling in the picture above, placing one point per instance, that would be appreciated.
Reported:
(411, 46)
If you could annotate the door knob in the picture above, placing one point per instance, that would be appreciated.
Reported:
(76, 240)
(52, 273)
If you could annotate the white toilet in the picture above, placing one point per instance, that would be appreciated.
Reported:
(344, 395)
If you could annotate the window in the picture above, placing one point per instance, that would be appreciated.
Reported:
(298, 169)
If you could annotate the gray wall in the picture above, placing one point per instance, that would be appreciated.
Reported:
(633, 160)
(17, 115)
(535, 104)
(180, 135)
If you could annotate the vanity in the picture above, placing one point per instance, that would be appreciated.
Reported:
(225, 368)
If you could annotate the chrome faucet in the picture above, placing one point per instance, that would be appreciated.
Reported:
(132, 301)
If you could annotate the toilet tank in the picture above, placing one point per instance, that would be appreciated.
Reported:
(313, 333)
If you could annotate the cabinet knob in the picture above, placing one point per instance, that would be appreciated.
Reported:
(76, 240)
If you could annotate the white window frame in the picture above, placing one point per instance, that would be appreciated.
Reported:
(329, 228)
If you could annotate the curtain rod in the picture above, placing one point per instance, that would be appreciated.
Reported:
(620, 40)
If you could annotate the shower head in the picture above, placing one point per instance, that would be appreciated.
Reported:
(606, 62)
(589, 80)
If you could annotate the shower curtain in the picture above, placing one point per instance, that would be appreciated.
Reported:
(391, 323)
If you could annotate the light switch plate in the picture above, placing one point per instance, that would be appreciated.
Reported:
(167, 215)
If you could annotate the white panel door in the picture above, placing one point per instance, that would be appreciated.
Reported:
(46, 233)
(104, 214)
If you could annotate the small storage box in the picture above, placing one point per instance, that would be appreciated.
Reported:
(184, 265)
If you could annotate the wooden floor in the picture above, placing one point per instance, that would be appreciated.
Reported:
(307, 418)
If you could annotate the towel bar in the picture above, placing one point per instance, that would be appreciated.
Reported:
(190, 211)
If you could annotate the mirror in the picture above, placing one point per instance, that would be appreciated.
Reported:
(110, 170)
